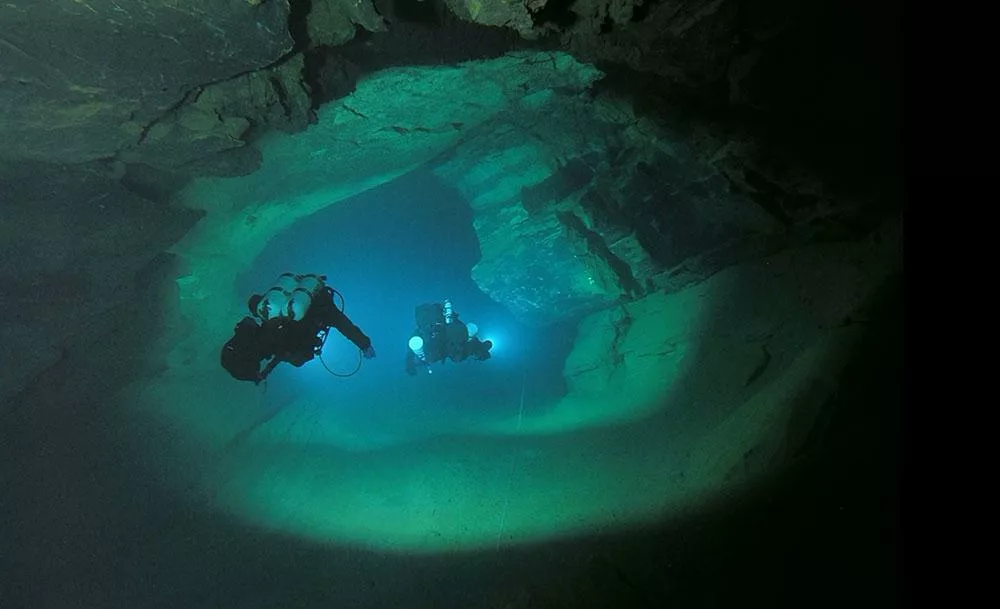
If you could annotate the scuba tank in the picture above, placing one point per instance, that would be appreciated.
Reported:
(302, 296)
(274, 302)
(290, 296)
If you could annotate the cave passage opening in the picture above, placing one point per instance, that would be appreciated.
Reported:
(386, 250)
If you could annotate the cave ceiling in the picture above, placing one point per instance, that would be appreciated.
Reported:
(115, 111)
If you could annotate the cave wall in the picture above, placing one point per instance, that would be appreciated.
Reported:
(72, 244)
(96, 142)
(689, 91)
(84, 80)
(580, 204)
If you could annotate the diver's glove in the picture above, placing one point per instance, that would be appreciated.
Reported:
(484, 352)
(369, 352)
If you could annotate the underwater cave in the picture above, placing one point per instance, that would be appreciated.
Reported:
(693, 296)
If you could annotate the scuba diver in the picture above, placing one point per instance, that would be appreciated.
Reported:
(440, 334)
(288, 323)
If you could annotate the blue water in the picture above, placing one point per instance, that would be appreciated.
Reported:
(388, 250)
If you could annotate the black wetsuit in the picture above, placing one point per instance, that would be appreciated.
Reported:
(443, 340)
(282, 339)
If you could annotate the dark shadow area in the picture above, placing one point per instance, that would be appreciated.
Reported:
(72, 241)
(434, 37)
(154, 184)
(448, 42)
(556, 12)
(85, 525)
(417, 33)
(827, 533)
(298, 23)
(831, 91)
(641, 10)
(421, 11)
(825, 94)
(330, 75)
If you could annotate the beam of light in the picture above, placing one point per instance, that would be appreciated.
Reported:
(501, 339)
(665, 429)
(658, 410)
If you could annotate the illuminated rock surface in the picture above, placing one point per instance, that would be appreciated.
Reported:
(678, 221)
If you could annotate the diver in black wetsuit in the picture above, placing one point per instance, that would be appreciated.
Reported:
(441, 335)
(288, 323)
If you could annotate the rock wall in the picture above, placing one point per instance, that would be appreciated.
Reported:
(83, 80)
(72, 244)
(580, 204)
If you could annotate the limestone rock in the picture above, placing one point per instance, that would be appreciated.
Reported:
(358, 142)
(334, 22)
(687, 42)
(80, 80)
(71, 241)
(218, 118)
(580, 204)
(515, 15)
(721, 340)
(541, 269)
